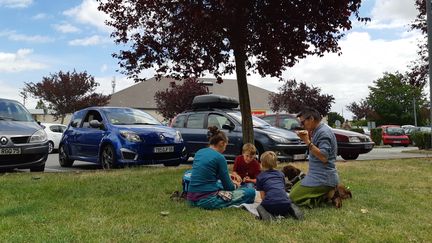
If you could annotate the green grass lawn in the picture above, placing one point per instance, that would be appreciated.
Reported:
(391, 203)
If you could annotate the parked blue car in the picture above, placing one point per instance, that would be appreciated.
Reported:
(118, 136)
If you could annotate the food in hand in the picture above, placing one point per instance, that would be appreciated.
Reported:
(302, 132)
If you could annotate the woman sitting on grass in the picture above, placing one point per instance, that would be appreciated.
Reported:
(208, 167)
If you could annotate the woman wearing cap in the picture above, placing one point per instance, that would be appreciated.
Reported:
(322, 177)
(209, 166)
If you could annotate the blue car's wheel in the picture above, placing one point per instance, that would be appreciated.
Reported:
(63, 158)
(108, 158)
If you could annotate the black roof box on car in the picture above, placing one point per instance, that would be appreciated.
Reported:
(214, 101)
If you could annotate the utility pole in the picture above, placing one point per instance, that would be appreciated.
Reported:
(113, 84)
(24, 95)
(429, 35)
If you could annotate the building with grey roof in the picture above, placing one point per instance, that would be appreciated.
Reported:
(141, 95)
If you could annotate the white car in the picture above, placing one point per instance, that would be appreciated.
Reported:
(54, 132)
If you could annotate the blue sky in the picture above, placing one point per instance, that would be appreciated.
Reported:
(39, 37)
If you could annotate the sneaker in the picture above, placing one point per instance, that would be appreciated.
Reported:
(264, 215)
(296, 212)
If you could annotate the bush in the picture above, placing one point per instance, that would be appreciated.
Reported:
(357, 129)
(359, 123)
(421, 139)
(376, 135)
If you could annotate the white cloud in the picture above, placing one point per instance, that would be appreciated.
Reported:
(104, 68)
(40, 16)
(12, 35)
(66, 28)
(19, 61)
(388, 14)
(348, 76)
(87, 13)
(89, 41)
(9, 92)
(15, 3)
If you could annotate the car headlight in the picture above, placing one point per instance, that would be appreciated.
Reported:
(279, 139)
(130, 136)
(354, 139)
(39, 136)
(178, 137)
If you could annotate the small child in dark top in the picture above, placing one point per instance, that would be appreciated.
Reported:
(246, 166)
(271, 185)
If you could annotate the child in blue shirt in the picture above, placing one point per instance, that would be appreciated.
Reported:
(271, 185)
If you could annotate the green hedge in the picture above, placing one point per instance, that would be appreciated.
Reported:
(421, 139)
(376, 135)
(357, 129)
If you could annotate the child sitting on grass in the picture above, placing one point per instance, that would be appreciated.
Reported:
(246, 166)
(271, 185)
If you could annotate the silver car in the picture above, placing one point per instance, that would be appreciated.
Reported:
(23, 142)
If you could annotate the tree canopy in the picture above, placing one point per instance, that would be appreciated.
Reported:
(360, 110)
(183, 39)
(67, 92)
(391, 99)
(293, 96)
(178, 97)
(419, 68)
(332, 117)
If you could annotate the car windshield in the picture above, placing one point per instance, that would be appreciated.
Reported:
(10, 110)
(257, 122)
(395, 131)
(129, 116)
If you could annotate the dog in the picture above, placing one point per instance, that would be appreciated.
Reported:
(339, 193)
(292, 176)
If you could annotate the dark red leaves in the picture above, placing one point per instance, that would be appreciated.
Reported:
(292, 97)
(178, 97)
(67, 92)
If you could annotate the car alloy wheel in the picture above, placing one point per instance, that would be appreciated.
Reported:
(108, 159)
(50, 147)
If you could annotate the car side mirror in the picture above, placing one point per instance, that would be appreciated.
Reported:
(74, 124)
(227, 127)
(95, 124)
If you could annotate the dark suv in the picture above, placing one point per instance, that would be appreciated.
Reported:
(23, 142)
(216, 110)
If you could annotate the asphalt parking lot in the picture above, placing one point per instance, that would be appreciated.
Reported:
(52, 164)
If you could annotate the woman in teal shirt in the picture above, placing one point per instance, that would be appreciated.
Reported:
(210, 185)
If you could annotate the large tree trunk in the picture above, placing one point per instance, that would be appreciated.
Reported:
(247, 126)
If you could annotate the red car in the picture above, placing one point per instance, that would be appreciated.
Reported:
(394, 135)
(350, 144)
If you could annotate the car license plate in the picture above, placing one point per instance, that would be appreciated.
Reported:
(299, 156)
(5, 151)
(396, 141)
(166, 149)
